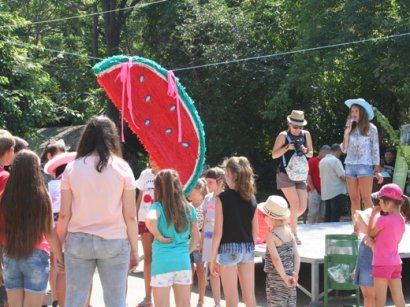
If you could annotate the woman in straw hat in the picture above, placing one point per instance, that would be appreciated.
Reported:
(361, 145)
(282, 260)
(299, 141)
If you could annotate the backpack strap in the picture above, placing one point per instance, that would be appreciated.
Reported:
(283, 156)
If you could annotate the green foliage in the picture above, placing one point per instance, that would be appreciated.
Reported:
(243, 104)
(24, 85)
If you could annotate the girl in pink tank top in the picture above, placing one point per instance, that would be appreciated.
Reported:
(387, 233)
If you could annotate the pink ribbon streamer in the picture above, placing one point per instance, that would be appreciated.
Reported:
(173, 92)
(125, 78)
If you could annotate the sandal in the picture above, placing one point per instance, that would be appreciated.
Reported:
(145, 303)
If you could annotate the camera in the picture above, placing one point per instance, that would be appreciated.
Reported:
(298, 143)
(376, 202)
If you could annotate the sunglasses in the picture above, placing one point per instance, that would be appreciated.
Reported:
(296, 127)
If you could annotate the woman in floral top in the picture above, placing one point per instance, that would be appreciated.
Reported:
(361, 145)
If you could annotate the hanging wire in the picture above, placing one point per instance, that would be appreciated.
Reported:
(30, 46)
(260, 57)
(227, 62)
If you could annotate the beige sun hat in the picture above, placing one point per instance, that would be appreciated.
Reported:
(275, 207)
(297, 117)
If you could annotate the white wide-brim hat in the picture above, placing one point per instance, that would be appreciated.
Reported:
(363, 103)
(275, 207)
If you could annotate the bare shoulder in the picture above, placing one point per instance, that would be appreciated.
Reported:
(282, 135)
(274, 239)
(288, 234)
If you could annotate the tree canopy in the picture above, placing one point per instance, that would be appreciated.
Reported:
(246, 64)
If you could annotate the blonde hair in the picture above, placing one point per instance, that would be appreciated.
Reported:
(169, 192)
(7, 141)
(242, 176)
(202, 187)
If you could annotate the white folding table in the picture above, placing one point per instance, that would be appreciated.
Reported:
(312, 250)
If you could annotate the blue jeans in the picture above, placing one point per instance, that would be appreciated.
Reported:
(30, 274)
(85, 252)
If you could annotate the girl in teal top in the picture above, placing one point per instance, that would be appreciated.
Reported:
(173, 222)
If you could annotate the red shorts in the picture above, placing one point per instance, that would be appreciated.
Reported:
(387, 271)
(142, 228)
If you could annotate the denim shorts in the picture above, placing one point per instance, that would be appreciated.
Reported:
(183, 277)
(30, 274)
(358, 170)
(234, 258)
(363, 271)
(196, 257)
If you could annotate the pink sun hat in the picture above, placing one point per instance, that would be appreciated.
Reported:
(61, 159)
(390, 190)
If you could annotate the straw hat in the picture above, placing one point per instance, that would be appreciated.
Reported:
(297, 118)
(275, 207)
(61, 159)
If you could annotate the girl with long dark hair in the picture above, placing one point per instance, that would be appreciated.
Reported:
(97, 221)
(26, 212)
(361, 145)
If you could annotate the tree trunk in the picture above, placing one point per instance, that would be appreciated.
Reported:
(114, 22)
(94, 38)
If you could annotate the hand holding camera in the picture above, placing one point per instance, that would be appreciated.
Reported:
(300, 149)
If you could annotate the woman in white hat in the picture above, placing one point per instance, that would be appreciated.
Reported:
(297, 141)
(361, 145)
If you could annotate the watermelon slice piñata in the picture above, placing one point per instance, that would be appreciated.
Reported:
(171, 132)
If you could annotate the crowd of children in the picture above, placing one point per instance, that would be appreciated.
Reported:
(215, 227)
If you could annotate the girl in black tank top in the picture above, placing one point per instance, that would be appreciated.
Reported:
(236, 228)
